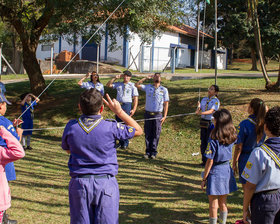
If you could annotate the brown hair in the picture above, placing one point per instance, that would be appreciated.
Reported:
(259, 110)
(91, 101)
(224, 130)
(91, 78)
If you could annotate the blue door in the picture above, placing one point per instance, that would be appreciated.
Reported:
(89, 52)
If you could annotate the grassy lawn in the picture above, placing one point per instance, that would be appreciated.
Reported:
(163, 191)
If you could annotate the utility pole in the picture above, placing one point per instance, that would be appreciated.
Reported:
(216, 42)
(197, 38)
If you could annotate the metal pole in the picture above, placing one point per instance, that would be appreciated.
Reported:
(197, 38)
(97, 60)
(1, 58)
(52, 59)
(216, 43)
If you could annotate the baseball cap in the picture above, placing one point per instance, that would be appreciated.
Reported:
(3, 99)
(128, 73)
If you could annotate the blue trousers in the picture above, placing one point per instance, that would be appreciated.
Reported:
(265, 208)
(152, 129)
(204, 138)
(94, 200)
(127, 108)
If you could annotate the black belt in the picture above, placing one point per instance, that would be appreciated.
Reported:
(153, 113)
(93, 175)
(219, 163)
(273, 191)
(248, 153)
(206, 120)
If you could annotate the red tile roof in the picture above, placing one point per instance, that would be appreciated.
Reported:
(188, 31)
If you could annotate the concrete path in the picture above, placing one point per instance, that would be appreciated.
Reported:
(169, 76)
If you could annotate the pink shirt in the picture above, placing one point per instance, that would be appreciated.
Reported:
(14, 151)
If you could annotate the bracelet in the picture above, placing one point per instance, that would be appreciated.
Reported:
(203, 180)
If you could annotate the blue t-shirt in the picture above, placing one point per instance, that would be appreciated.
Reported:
(218, 152)
(91, 141)
(28, 115)
(125, 92)
(247, 134)
(155, 97)
(89, 85)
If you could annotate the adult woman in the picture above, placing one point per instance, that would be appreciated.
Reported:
(206, 109)
(93, 83)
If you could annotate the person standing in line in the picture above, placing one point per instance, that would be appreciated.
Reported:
(93, 83)
(126, 93)
(218, 175)
(262, 172)
(206, 109)
(157, 101)
(250, 135)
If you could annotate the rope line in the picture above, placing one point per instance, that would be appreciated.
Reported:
(140, 120)
(74, 56)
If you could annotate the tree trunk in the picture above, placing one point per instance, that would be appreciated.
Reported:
(278, 80)
(257, 35)
(254, 60)
(32, 67)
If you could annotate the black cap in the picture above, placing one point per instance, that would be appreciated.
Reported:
(128, 73)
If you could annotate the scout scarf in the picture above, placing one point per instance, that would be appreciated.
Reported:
(272, 151)
(88, 124)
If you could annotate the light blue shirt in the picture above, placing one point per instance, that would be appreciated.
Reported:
(208, 104)
(155, 97)
(125, 92)
(2, 87)
(88, 85)
(262, 171)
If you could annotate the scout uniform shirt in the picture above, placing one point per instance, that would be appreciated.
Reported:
(155, 97)
(90, 85)
(125, 92)
(261, 169)
(91, 141)
(208, 104)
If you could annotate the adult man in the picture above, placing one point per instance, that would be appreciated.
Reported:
(157, 100)
(262, 171)
(126, 91)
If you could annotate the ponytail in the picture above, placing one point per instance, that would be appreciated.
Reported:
(259, 109)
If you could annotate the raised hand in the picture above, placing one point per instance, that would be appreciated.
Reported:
(114, 105)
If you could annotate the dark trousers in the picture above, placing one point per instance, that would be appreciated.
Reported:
(127, 108)
(204, 137)
(265, 208)
(152, 129)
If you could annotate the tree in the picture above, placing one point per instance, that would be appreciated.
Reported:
(33, 18)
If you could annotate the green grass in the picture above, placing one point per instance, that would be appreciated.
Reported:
(164, 191)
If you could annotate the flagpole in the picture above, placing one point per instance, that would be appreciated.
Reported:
(216, 42)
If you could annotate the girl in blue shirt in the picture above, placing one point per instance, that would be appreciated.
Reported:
(218, 175)
(27, 107)
(93, 83)
(250, 135)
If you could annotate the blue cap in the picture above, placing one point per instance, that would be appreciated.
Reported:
(3, 99)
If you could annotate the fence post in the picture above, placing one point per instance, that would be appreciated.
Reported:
(173, 61)
(52, 59)
(97, 59)
(141, 58)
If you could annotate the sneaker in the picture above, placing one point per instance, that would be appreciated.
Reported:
(29, 147)
(124, 147)
(6, 219)
(24, 147)
(146, 156)
(153, 157)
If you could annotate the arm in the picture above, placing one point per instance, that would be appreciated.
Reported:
(135, 104)
(249, 190)
(110, 83)
(115, 106)
(24, 100)
(208, 166)
(165, 110)
(237, 152)
(14, 150)
(82, 79)
(199, 112)
(35, 97)
(139, 83)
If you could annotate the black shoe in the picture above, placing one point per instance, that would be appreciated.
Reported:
(124, 147)
(29, 147)
(24, 147)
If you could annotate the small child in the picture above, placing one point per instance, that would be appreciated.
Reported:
(27, 106)
(90, 141)
(218, 175)
(261, 173)
(13, 151)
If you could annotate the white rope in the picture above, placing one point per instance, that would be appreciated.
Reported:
(74, 56)
(140, 120)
